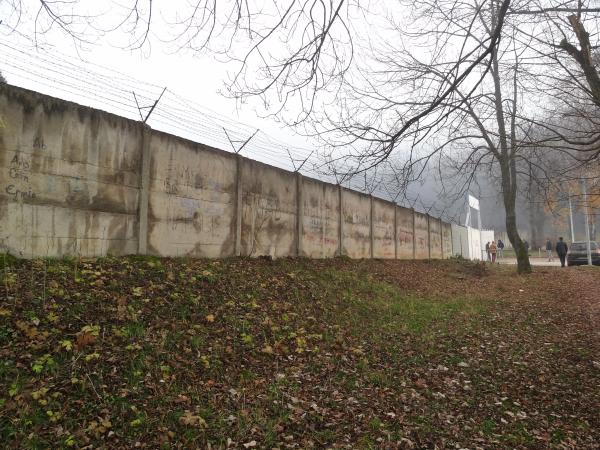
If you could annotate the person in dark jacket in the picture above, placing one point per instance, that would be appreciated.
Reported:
(500, 249)
(526, 244)
(549, 250)
(561, 251)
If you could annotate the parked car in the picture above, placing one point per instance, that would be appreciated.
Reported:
(577, 254)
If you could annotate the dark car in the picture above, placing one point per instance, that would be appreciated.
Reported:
(578, 254)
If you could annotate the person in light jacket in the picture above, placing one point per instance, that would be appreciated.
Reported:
(493, 250)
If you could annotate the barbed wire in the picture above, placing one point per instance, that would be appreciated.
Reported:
(56, 74)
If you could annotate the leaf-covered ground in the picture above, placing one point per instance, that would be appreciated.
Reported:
(174, 353)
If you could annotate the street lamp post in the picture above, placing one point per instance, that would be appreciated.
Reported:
(571, 219)
(587, 222)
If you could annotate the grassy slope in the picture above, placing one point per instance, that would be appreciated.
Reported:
(296, 354)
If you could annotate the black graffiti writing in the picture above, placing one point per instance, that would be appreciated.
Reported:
(19, 168)
(17, 161)
(16, 193)
(38, 142)
(18, 174)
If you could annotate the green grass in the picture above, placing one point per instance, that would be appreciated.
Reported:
(365, 300)
(191, 353)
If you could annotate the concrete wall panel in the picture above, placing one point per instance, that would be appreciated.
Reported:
(460, 241)
(404, 233)
(447, 239)
(269, 210)
(192, 199)
(320, 219)
(68, 177)
(435, 237)
(356, 228)
(383, 230)
(421, 236)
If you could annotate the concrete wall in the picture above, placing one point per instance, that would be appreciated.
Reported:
(447, 240)
(320, 219)
(68, 177)
(269, 210)
(460, 241)
(405, 235)
(421, 236)
(78, 181)
(356, 224)
(435, 238)
(192, 199)
(384, 245)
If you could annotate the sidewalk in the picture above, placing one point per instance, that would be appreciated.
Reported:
(533, 261)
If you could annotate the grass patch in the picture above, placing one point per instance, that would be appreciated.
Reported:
(292, 353)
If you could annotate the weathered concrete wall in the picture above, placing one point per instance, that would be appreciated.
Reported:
(78, 181)
(460, 241)
(320, 219)
(269, 210)
(192, 199)
(404, 233)
(68, 176)
(447, 240)
(383, 229)
(435, 237)
(356, 224)
(421, 236)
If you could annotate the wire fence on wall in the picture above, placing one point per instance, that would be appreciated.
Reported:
(54, 73)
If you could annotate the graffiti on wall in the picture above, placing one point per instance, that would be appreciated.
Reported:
(19, 174)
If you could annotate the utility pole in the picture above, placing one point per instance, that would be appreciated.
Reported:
(587, 222)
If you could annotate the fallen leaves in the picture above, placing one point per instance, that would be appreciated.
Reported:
(193, 420)
(134, 352)
(31, 333)
(87, 336)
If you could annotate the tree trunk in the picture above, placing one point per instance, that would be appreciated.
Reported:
(509, 196)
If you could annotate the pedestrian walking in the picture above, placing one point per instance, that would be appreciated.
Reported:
(526, 244)
(549, 250)
(493, 250)
(500, 246)
(561, 251)
(487, 251)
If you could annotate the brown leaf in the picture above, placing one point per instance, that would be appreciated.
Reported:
(84, 339)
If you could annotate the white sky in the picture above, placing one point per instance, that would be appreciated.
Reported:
(198, 78)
